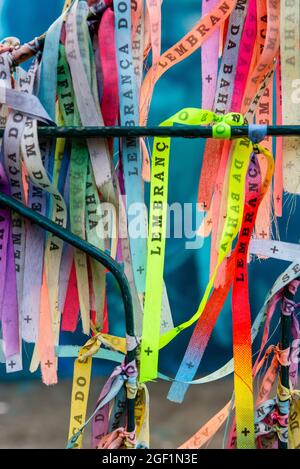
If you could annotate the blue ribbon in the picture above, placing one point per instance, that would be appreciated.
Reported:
(257, 133)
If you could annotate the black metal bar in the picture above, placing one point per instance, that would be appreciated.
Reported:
(97, 254)
(187, 131)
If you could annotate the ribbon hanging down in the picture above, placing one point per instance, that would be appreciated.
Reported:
(157, 232)
(236, 272)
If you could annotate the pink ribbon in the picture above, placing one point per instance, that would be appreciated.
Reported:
(115, 440)
(107, 49)
(8, 283)
(101, 419)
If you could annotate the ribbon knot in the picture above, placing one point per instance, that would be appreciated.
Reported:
(272, 417)
(256, 134)
(129, 370)
(277, 418)
(132, 342)
(129, 374)
(282, 356)
(119, 438)
(222, 125)
(288, 307)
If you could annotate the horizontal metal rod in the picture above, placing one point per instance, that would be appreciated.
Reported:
(188, 131)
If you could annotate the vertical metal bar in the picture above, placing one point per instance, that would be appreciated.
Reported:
(286, 322)
(97, 254)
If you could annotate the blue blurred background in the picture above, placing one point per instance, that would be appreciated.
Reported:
(186, 271)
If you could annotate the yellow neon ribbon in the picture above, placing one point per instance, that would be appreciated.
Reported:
(157, 230)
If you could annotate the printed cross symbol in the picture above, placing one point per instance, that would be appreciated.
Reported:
(274, 249)
(48, 363)
(164, 323)
(278, 198)
(140, 270)
(148, 351)
(263, 234)
(209, 222)
(190, 365)
(208, 78)
(12, 364)
(245, 431)
(290, 164)
(28, 319)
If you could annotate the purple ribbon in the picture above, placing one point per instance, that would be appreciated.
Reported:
(8, 285)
